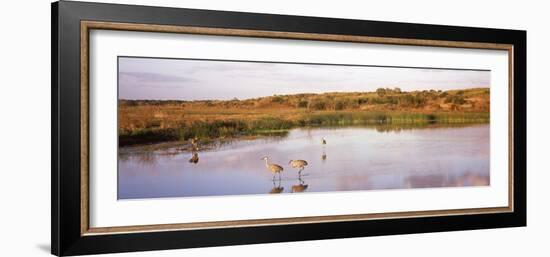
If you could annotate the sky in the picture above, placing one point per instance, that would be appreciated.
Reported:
(183, 79)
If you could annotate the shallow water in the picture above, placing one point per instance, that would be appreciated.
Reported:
(354, 158)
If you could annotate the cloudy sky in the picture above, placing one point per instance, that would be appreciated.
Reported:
(180, 79)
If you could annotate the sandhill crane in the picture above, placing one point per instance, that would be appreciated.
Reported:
(301, 164)
(195, 158)
(273, 168)
(323, 141)
(195, 144)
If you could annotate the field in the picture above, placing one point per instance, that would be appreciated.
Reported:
(153, 121)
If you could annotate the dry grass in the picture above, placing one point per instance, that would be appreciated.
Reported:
(157, 121)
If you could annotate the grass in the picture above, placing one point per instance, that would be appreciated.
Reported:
(144, 122)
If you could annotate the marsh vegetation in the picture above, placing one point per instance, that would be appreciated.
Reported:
(154, 121)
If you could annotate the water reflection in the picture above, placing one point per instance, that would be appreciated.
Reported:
(362, 158)
(301, 187)
(195, 158)
(440, 180)
(147, 159)
(277, 189)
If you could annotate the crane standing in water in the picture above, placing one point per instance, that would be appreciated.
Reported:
(273, 168)
(324, 155)
(195, 158)
(301, 164)
(194, 150)
(195, 144)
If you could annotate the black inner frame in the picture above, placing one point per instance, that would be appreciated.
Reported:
(65, 166)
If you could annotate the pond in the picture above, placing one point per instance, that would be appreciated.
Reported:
(353, 158)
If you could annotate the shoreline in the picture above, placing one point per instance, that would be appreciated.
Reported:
(207, 143)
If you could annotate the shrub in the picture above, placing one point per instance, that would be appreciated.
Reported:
(381, 91)
(363, 100)
(302, 103)
(455, 99)
(339, 105)
(277, 99)
(317, 104)
(406, 100)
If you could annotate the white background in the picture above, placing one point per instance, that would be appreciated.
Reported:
(25, 128)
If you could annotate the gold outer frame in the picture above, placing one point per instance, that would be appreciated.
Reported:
(86, 26)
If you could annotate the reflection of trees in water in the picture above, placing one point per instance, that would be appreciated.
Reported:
(444, 180)
(396, 128)
(309, 134)
(168, 153)
(145, 158)
(388, 127)
(123, 156)
(471, 180)
(230, 142)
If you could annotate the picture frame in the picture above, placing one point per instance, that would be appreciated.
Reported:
(72, 23)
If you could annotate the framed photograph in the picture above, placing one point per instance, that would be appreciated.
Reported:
(177, 128)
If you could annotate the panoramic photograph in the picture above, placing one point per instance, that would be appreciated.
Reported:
(197, 128)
